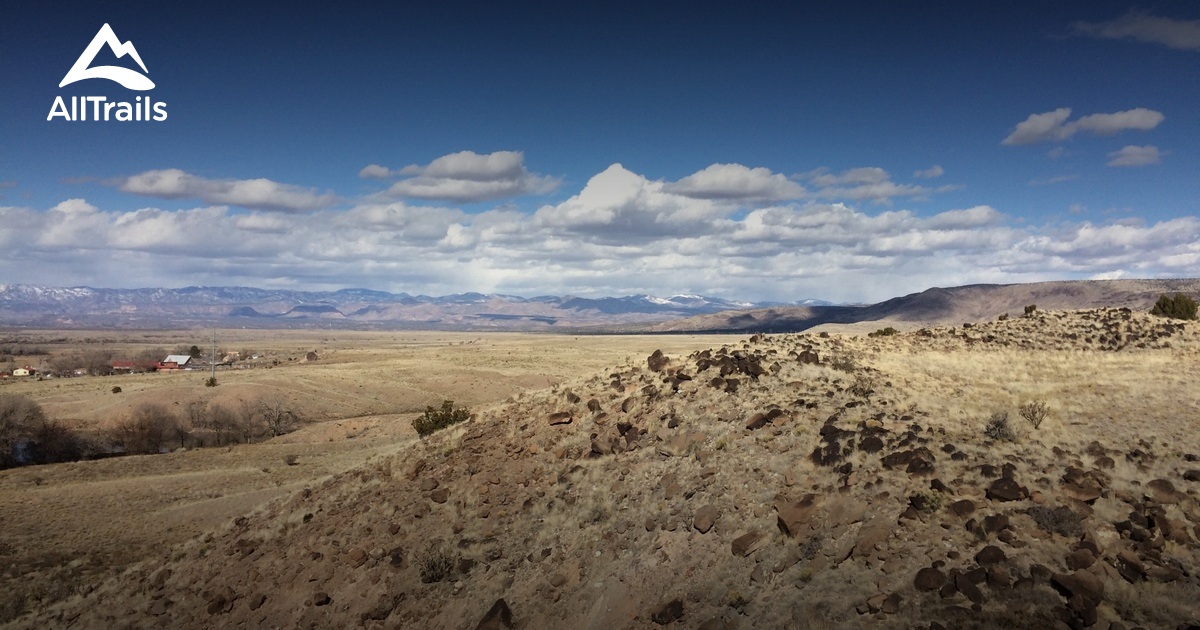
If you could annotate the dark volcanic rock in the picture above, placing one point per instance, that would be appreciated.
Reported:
(929, 579)
(499, 617)
(668, 612)
(657, 361)
(1007, 489)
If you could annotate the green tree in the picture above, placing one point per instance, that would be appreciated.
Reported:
(1178, 307)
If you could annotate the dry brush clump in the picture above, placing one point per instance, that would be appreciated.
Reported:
(435, 419)
(1034, 412)
(998, 428)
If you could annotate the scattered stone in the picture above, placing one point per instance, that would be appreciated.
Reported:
(320, 598)
(891, 604)
(356, 557)
(559, 418)
(793, 519)
(990, 554)
(657, 361)
(757, 421)
(963, 508)
(1163, 491)
(1081, 583)
(929, 579)
(705, 518)
(1007, 489)
(1080, 559)
(668, 612)
(439, 495)
(748, 543)
(499, 617)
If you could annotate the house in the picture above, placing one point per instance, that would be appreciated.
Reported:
(124, 366)
(21, 371)
(175, 362)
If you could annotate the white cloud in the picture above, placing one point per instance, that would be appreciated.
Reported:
(1053, 126)
(863, 184)
(1178, 34)
(466, 176)
(265, 194)
(1132, 155)
(1057, 179)
(735, 182)
(930, 173)
(621, 233)
(375, 171)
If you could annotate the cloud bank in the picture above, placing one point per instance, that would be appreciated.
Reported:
(1136, 25)
(1053, 126)
(465, 177)
(727, 230)
(263, 194)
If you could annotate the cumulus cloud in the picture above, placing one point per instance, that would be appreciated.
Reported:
(621, 233)
(930, 173)
(375, 171)
(1136, 25)
(1132, 155)
(1053, 126)
(173, 183)
(737, 183)
(465, 177)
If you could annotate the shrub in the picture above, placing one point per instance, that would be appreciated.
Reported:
(1029, 310)
(927, 501)
(843, 363)
(210, 381)
(436, 563)
(998, 427)
(1034, 412)
(1060, 520)
(435, 419)
(863, 386)
(291, 459)
(1178, 307)
(1003, 317)
(116, 389)
(884, 332)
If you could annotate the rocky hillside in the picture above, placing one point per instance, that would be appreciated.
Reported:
(941, 306)
(782, 482)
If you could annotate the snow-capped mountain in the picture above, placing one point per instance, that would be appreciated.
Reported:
(87, 306)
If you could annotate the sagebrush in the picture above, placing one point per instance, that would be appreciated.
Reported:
(998, 427)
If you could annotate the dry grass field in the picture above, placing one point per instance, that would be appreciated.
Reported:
(785, 481)
(64, 527)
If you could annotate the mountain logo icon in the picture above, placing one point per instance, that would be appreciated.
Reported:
(130, 79)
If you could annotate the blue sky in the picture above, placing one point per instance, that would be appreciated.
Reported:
(847, 152)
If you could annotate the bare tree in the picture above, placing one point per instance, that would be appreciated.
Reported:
(148, 428)
(277, 416)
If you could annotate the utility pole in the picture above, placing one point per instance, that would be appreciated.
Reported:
(214, 356)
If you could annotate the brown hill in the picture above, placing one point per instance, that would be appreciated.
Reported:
(788, 481)
(952, 305)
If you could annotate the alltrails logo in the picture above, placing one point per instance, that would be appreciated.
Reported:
(99, 107)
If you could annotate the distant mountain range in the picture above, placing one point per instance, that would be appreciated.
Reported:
(53, 307)
(85, 307)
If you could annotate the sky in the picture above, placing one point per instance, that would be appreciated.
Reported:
(849, 151)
